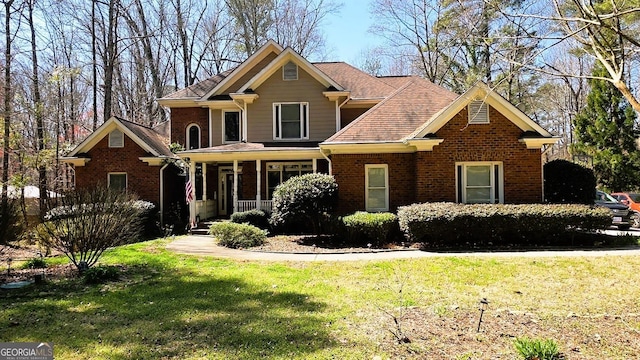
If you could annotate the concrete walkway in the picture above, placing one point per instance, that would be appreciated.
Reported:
(204, 245)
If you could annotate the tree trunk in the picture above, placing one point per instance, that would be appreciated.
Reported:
(7, 102)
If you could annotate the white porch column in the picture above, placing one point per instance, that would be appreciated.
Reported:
(235, 186)
(204, 183)
(315, 165)
(192, 204)
(258, 173)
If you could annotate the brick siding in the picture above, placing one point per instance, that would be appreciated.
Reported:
(181, 118)
(142, 179)
(429, 176)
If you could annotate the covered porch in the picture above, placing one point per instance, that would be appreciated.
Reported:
(242, 176)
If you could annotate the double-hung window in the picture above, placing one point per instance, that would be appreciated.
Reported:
(376, 187)
(231, 126)
(479, 182)
(117, 181)
(291, 121)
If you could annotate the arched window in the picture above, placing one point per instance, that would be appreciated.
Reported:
(193, 137)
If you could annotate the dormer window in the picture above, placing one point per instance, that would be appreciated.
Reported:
(116, 139)
(478, 112)
(290, 71)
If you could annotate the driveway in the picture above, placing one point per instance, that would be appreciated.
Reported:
(204, 246)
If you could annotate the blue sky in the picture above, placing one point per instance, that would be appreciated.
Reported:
(347, 31)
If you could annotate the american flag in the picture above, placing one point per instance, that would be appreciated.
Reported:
(188, 190)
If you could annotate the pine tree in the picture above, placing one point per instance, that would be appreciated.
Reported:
(605, 129)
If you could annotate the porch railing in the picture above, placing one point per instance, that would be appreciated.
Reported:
(246, 205)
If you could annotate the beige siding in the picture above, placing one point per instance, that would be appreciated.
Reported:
(251, 73)
(322, 112)
(216, 127)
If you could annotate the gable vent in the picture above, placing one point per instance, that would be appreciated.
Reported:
(478, 112)
(290, 71)
(116, 139)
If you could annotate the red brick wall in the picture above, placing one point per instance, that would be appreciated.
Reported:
(349, 173)
(142, 179)
(181, 118)
(429, 176)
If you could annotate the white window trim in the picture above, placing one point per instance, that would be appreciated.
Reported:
(188, 138)
(366, 187)
(126, 179)
(304, 110)
(224, 112)
(283, 164)
(475, 116)
(461, 191)
(112, 143)
(284, 78)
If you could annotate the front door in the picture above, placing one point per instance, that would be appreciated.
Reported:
(225, 189)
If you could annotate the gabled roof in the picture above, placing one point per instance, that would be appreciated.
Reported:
(199, 89)
(397, 116)
(481, 91)
(238, 72)
(145, 137)
(290, 55)
(361, 84)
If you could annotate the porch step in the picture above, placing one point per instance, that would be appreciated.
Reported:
(202, 228)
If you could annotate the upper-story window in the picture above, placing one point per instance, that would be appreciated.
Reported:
(193, 137)
(291, 121)
(116, 139)
(231, 125)
(290, 71)
(478, 112)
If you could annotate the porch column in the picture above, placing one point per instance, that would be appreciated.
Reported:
(204, 183)
(258, 173)
(235, 186)
(315, 165)
(192, 203)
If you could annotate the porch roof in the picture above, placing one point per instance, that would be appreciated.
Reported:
(252, 151)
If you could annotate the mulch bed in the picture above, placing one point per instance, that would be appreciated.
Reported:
(304, 244)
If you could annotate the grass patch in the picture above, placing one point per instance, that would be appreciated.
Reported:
(166, 305)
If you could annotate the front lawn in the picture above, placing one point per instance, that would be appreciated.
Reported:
(185, 307)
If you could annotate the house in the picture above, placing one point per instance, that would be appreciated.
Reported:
(388, 141)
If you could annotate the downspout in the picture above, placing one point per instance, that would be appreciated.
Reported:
(162, 193)
(338, 116)
(328, 160)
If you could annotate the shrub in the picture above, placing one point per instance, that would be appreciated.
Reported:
(90, 221)
(531, 349)
(453, 224)
(370, 228)
(304, 199)
(255, 217)
(101, 274)
(34, 263)
(10, 226)
(566, 182)
(236, 236)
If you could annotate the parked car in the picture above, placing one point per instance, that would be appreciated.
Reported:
(621, 213)
(632, 200)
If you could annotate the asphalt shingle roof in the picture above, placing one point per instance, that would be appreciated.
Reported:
(399, 115)
(150, 137)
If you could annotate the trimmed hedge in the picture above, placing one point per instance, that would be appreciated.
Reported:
(255, 217)
(370, 228)
(237, 236)
(485, 224)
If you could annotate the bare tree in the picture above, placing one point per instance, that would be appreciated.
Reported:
(8, 99)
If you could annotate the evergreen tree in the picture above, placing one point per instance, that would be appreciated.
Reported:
(605, 129)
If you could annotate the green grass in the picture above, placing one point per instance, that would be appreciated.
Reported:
(168, 305)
